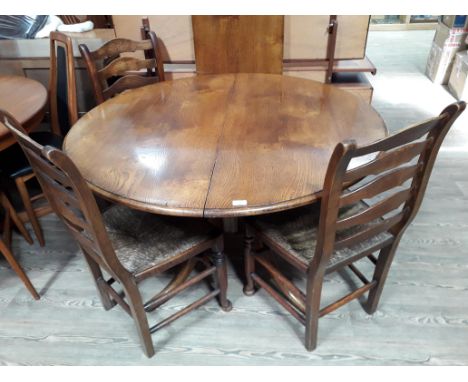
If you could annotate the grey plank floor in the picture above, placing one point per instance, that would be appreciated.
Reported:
(422, 319)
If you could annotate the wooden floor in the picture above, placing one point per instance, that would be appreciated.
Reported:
(423, 315)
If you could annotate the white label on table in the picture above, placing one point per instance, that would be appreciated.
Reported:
(239, 203)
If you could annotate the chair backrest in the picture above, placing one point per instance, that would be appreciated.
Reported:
(62, 84)
(395, 179)
(238, 44)
(69, 196)
(111, 74)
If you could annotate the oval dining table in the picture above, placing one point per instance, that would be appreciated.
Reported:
(218, 146)
(25, 99)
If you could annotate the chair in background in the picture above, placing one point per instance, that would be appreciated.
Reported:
(128, 245)
(62, 84)
(318, 240)
(63, 114)
(238, 44)
(112, 74)
(5, 241)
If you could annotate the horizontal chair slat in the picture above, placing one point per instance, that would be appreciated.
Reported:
(411, 133)
(61, 192)
(120, 45)
(387, 161)
(369, 232)
(376, 211)
(87, 243)
(53, 174)
(71, 218)
(128, 82)
(383, 183)
(123, 64)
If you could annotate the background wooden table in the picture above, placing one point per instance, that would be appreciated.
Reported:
(220, 145)
(25, 99)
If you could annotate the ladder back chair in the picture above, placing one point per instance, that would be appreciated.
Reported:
(238, 44)
(128, 245)
(364, 209)
(112, 74)
(10, 215)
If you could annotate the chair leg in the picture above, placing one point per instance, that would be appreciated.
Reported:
(249, 262)
(10, 211)
(139, 316)
(19, 271)
(221, 276)
(25, 198)
(313, 296)
(380, 275)
(98, 278)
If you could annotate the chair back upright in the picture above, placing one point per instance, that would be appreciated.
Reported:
(238, 44)
(70, 198)
(62, 84)
(392, 185)
(112, 73)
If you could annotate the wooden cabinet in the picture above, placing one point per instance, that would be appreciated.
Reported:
(304, 51)
(304, 36)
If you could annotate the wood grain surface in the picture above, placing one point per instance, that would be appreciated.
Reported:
(197, 146)
(238, 44)
(24, 98)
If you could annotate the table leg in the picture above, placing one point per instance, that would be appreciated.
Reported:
(230, 225)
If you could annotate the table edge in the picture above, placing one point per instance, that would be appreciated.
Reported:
(144, 206)
(221, 212)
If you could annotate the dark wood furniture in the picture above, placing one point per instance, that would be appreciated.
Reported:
(27, 100)
(215, 145)
(350, 223)
(111, 73)
(128, 245)
(63, 114)
(62, 84)
(314, 47)
(10, 215)
(238, 44)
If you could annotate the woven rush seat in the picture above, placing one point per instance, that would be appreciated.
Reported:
(142, 240)
(296, 231)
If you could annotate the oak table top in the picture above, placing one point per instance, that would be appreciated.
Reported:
(25, 99)
(218, 145)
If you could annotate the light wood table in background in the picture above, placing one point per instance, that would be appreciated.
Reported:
(26, 100)
(218, 146)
